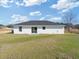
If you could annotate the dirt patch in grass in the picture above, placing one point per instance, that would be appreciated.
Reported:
(39, 46)
(5, 30)
(32, 49)
(35, 49)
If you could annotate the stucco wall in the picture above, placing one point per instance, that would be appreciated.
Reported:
(50, 29)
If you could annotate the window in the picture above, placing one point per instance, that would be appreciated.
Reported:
(34, 29)
(20, 29)
(44, 28)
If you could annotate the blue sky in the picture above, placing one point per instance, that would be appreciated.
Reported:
(15, 11)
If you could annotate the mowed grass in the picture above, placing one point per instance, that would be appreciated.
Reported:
(39, 46)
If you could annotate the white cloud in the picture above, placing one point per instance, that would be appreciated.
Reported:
(56, 19)
(18, 18)
(30, 2)
(19, 4)
(65, 5)
(45, 17)
(5, 3)
(36, 13)
(61, 4)
(42, 18)
(52, 18)
(71, 7)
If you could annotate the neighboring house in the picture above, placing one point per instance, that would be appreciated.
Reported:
(38, 27)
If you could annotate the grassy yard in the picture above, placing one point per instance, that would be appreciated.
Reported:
(39, 46)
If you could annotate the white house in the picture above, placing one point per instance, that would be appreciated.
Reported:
(38, 27)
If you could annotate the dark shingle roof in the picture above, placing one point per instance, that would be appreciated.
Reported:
(38, 23)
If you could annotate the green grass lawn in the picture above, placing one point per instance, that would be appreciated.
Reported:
(39, 46)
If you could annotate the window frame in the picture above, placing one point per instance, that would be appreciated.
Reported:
(20, 28)
(44, 28)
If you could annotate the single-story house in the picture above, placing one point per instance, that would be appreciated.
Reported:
(38, 27)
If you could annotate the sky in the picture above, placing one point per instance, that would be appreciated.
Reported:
(16, 11)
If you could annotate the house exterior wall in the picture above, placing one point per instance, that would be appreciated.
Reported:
(50, 29)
